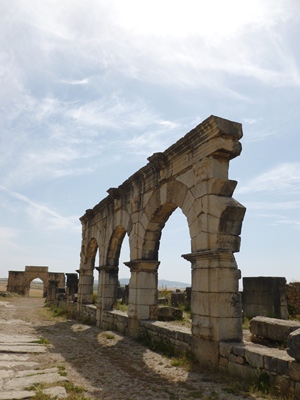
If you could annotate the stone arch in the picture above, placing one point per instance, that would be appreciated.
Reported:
(114, 247)
(28, 279)
(191, 174)
(173, 196)
(86, 272)
(91, 254)
(19, 281)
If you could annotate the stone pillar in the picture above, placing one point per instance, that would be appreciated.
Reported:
(143, 293)
(85, 287)
(52, 289)
(107, 290)
(72, 286)
(215, 303)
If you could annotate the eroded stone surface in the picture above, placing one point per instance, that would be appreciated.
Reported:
(293, 344)
(17, 371)
(273, 328)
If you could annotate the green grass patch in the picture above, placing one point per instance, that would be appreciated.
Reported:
(42, 340)
(108, 335)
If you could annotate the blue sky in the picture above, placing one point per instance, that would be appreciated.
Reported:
(90, 89)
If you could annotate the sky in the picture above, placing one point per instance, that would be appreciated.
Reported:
(90, 89)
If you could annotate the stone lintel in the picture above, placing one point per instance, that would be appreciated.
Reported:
(30, 268)
(142, 265)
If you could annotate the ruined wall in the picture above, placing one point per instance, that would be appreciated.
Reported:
(265, 296)
(19, 281)
(293, 297)
(191, 175)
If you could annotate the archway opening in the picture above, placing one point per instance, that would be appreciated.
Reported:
(96, 262)
(124, 271)
(36, 288)
(174, 273)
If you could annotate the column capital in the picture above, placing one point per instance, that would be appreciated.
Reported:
(142, 265)
(107, 269)
(219, 255)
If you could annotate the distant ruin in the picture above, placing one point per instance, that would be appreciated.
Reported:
(19, 281)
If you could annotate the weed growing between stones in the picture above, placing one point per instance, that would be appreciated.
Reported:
(42, 340)
(120, 306)
(246, 323)
(58, 311)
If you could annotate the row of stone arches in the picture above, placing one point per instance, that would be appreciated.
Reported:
(191, 175)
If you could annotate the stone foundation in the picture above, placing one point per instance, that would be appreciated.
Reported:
(249, 360)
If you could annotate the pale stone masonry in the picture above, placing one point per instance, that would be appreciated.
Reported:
(192, 174)
(19, 281)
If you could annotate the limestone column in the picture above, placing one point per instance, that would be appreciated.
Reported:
(107, 290)
(52, 289)
(85, 287)
(143, 293)
(215, 303)
(72, 285)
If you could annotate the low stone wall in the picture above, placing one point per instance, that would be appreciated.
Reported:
(293, 296)
(115, 320)
(250, 359)
(273, 329)
(179, 338)
(244, 359)
(87, 314)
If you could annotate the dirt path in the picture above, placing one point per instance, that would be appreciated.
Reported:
(106, 364)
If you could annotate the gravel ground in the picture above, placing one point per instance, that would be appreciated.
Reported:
(108, 365)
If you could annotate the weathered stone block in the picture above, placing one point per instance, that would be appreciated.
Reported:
(216, 279)
(293, 344)
(239, 349)
(270, 363)
(217, 304)
(294, 370)
(168, 313)
(272, 328)
(283, 360)
(240, 370)
(255, 357)
(225, 349)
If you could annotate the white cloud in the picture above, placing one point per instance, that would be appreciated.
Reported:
(8, 238)
(283, 178)
(271, 206)
(75, 81)
(42, 215)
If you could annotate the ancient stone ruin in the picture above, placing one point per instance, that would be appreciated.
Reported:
(19, 281)
(192, 174)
